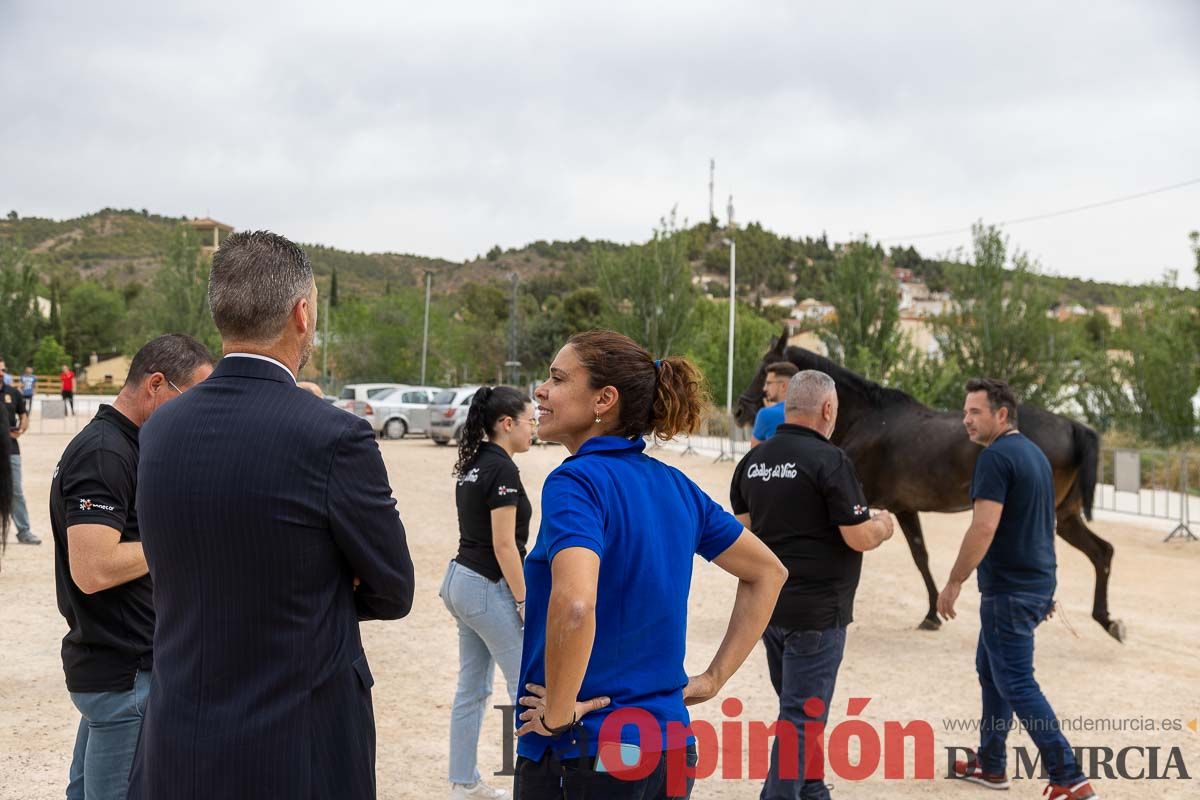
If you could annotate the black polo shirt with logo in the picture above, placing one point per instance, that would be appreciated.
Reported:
(491, 481)
(14, 407)
(798, 488)
(111, 632)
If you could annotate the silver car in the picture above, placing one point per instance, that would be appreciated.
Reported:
(354, 396)
(448, 412)
(402, 411)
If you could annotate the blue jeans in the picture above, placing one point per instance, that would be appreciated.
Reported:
(20, 514)
(490, 632)
(107, 737)
(1004, 660)
(802, 664)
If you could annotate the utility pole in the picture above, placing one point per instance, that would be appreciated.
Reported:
(425, 338)
(325, 349)
(513, 364)
(712, 170)
(729, 208)
(729, 359)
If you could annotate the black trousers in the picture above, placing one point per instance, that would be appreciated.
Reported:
(553, 778)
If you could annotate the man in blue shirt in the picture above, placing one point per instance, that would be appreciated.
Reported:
(1011, 541)
(28, 387)
(770, 416)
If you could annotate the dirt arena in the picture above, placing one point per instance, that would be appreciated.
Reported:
(908, 675)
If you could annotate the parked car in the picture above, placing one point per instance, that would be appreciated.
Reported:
(354, 396)
(448, 412)
(402, 411)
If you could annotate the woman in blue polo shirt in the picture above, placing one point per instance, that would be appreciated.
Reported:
(607, 580)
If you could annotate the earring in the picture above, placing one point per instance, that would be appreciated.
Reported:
(598, 420)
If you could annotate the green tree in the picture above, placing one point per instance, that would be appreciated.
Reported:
(706, 342)
(177, 298)
(545, 329)
(647, 289)
(50, 357)
(20, 317)
(761, 261)
(372, 339)
(1194, 238)
(94, 320)
(54, 325)
(333, 290)
(929, 378)
(1163, 368)
(865, 336)
(1000, 326)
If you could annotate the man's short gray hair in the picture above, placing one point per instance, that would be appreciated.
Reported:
(807, 392)
(257, 278)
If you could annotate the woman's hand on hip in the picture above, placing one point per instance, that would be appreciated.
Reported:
(535, 703)
(700, 688)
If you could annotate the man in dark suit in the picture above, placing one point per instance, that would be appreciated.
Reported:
(270, 530)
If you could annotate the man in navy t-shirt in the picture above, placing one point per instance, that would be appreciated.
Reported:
(1011, 541)
(770, 416)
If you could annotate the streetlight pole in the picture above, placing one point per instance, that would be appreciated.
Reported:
(729, 365)
(425, 338)
(325, 349)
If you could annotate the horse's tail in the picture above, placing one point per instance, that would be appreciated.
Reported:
(1087, 454)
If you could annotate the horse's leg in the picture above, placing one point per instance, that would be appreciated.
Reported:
(1075, 531)
(910, 523)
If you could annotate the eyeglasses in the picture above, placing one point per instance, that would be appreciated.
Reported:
(533, 422)
(173, 386)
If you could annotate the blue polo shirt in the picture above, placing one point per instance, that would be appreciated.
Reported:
(646, 521)
(767, 420)
(1014, 472)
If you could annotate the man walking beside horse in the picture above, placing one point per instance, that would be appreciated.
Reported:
(1011, 542)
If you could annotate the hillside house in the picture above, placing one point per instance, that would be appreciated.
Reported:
(210, 232)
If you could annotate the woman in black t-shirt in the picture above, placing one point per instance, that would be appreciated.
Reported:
(484, 587)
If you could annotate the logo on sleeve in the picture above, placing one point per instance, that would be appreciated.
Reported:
(859, 510)
(504, 491)
(88, 505)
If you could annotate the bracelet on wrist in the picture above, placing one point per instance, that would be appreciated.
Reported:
(560, 730)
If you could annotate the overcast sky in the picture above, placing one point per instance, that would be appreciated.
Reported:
(442, 129)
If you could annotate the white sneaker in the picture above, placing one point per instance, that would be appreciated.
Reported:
(480, 791)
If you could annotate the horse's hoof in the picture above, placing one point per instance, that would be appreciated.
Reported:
(1116, 629)
(929, 624)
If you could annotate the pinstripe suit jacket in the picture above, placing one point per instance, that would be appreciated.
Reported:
(259, 504)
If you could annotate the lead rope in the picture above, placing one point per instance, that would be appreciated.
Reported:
(1063, 614)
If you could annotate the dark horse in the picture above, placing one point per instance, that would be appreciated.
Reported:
(911, 458)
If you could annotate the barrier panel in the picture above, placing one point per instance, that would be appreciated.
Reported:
(1151, 483)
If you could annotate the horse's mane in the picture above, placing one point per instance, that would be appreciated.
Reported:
(869, 390)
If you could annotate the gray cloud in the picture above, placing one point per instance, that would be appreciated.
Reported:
(443, 130)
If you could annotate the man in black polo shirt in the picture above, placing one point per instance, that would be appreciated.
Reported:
(18, 422)
(800, 495)
(103, 588)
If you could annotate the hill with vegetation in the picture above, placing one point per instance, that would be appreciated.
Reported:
(122, 247)
(107, 282)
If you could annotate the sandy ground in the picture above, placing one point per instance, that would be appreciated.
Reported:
(908, 675)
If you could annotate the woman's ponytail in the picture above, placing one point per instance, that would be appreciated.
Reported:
(679, 398)
(488, 406)
(473, 430)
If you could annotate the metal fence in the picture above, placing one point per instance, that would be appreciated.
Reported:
(1151, 483)
(713, 440)
(50, 414)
